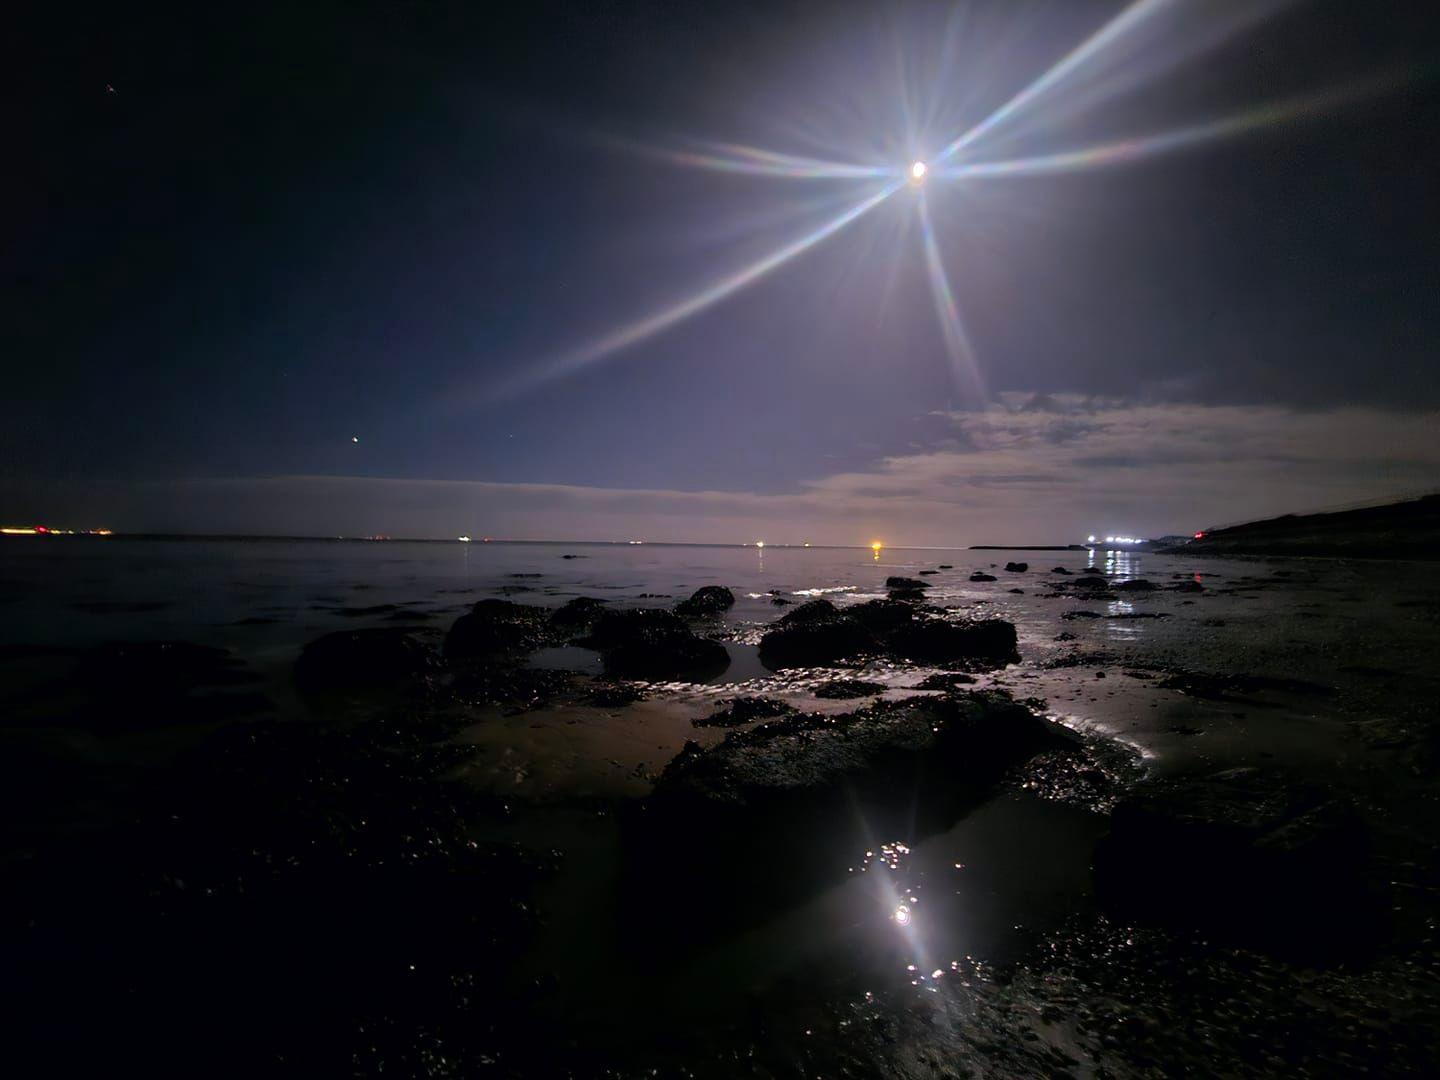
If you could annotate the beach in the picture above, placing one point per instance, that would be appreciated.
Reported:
(434, 808)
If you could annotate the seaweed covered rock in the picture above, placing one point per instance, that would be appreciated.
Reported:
(818, 633)
(744, 710)
(936, 641)
(577, 615)
(707, 600)
(814, 637)
(844, 689)
(905, 583)
(1248, 856)
(648, 643)
(362, 658)
(882, 616)
(809, 612)
(966, 740)
(497, 626)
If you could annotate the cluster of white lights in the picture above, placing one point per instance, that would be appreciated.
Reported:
(1092, 539)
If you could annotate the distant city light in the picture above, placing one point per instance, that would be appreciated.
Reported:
(49, 530)
(1090, 539)
(759, 543)
(876, 546)
(917, 172)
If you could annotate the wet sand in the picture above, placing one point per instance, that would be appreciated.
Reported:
(445, 881)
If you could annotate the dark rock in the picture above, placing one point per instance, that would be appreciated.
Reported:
(937, 641)
(1247, 856)
(815, 639)
(809, 612)
(744, 710)
(497, 626)
(1071, 615)
(945, 680)
(362, 658)
(1065, 635)
(844, 689)
(1091, 582)
(646, 643)
(1060, 570)
(1135, 585)
(1020, 592)
(792, 799)
(946, 566)
(577, 615)
(909, 595)
(905, 583)
(980, 575)
(881, 616)
(928, 573)
(574, 556)
(1017, 567)
(707, 600)
(365, 612)
(780, 601)
(1092, 570)
(1188, 586)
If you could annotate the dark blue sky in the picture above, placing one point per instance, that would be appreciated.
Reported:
(292, 224)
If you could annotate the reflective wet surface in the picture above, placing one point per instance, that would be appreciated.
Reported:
(557, 943)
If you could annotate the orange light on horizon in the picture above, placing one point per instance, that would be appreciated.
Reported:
(17, 530)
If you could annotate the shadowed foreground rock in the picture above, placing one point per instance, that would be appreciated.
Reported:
(782, 809)
(497, 626)
(647, 643)
(1249, 857)
(361, 658)
(576, 615)
(815, 633)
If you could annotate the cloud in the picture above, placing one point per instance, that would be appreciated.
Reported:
(1029, 469)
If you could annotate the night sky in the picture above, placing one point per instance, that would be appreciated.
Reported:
(240, 237)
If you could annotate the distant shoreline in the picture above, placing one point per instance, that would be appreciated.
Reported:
(243, 538)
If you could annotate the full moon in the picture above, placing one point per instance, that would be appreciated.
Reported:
(917, 172)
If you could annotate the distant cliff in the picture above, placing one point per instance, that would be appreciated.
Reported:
(1402, 530)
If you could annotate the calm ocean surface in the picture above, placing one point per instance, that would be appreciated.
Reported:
(265, 598)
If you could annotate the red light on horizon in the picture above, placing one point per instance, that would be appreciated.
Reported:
(1200, 536)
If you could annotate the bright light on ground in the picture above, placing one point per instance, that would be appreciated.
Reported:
(917, 172)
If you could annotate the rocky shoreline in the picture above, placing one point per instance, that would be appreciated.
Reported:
(360, 862)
